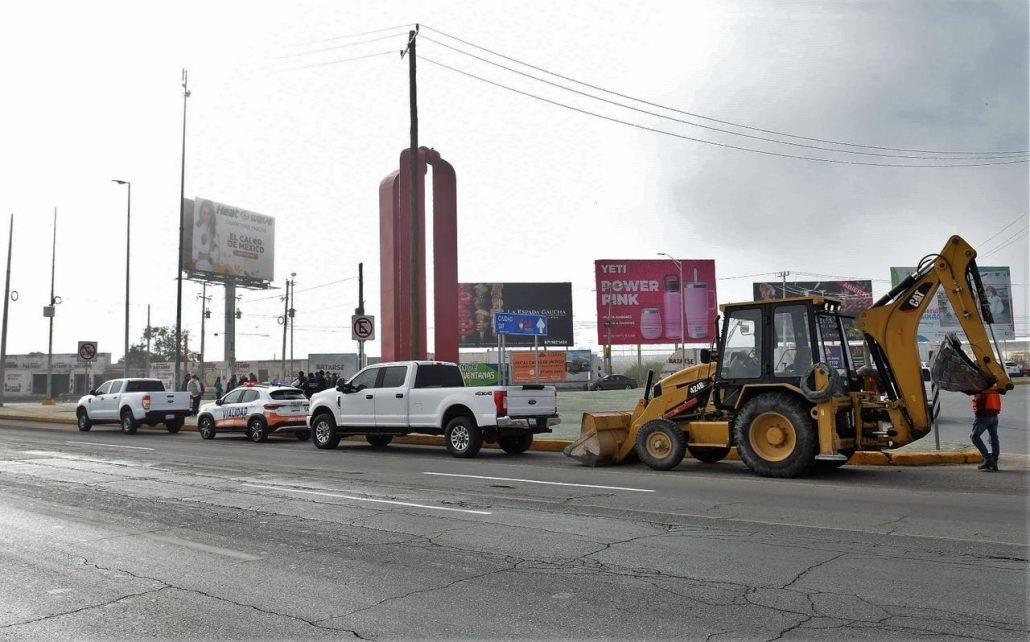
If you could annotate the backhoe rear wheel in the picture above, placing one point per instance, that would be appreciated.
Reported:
(661, 444)
(776, 435)
(709, 454)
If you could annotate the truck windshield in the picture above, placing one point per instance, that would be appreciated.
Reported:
(144, 385)
(438, 376)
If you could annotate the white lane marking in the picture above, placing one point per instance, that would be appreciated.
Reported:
(93, 443)
(537, 481)
(369, 499)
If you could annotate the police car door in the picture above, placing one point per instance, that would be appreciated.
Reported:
(225, 414)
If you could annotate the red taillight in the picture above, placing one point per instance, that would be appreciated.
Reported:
(501, 402)
(146, 402)
(273, 406)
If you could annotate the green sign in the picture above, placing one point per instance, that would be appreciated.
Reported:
(479, 374)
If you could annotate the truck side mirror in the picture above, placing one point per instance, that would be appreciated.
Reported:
(92, 392)
(705, 355)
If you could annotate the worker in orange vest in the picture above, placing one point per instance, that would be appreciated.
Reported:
(986, 408)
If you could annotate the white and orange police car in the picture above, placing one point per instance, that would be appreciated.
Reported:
(258, 411)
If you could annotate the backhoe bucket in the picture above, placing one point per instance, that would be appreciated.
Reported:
(601, 437)
(953, 370)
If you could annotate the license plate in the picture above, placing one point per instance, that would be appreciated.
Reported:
(169, 416)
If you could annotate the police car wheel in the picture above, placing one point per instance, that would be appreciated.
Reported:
(206, 426)
(258, 431)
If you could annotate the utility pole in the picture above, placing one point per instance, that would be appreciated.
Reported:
(53, 310)
(286, 326)
(608, 346)
(128, 232)
(361, 310)
(7, 300)
(783, 275)
(146, 357)
(182, 213)
(204, 314)
(293, 312)
(415, 249)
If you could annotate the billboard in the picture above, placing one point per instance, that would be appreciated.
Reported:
(523, 366)
(643, 301)
(856, 295)
(939, 318)
(227, 242)
(478, 301)
(344, 364)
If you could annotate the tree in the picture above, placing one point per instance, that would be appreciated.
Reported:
(162, 347)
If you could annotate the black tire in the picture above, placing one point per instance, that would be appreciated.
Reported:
(379, 441)
(323, 433)
(516, 445)
(463, 437)
(822, 466)
(302, 435)
(84, 423)
(776, 435)
(173, 426)
(661, 444)
(257, 430)
(206, 427)
(129, 423)
(708, 454)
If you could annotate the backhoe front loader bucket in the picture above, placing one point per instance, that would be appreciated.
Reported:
(602, 435)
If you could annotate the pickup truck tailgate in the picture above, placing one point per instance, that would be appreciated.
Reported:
(160, 401)
(532, 401)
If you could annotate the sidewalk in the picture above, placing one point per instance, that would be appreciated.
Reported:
(920, 453)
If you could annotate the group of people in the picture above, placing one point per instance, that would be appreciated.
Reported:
(315, 381)
(193, 384)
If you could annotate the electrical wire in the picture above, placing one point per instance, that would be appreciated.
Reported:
(998, 233)
(1007, 242)
(708, 118)
(708, 127)
(333, 62)
(705, 141)
(344, 46)
(355, 35)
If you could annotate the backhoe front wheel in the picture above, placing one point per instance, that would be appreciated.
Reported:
(776, 435)
(661, 444)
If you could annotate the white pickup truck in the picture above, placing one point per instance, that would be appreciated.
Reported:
(131, 402)
(430, 397)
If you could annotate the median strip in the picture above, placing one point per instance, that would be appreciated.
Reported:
(537, 481)
(369, 499)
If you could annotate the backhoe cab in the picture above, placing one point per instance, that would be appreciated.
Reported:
(795, 385)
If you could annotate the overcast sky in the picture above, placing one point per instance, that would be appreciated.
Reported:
(91, 93)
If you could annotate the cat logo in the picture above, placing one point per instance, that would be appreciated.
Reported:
(916, 298)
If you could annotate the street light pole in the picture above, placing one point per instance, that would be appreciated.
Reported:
(182, 213)
(53, 310)
(682, 310)
(128, 232)
(7, 300)
(293, 313)
(204, 298)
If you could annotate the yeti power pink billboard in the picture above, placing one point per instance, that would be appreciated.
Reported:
(655, 301)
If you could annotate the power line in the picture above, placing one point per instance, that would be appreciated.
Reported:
(333, 62)
(308, 289)
(344, 46)
(998, 233)
(708, 118)
(693, 124)
(354, 35)
(705, 141)
(1007, 242)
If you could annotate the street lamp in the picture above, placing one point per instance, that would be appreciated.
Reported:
(683, 345)
(128, 220)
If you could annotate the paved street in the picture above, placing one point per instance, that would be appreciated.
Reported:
(168, 535)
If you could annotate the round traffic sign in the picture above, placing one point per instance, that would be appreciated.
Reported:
(363, 327)
(87, 351)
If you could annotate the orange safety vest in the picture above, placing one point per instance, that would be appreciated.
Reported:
(988, 402)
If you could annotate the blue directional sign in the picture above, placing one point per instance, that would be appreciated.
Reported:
(524, 324)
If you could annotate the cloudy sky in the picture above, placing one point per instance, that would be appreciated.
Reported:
(92, 93)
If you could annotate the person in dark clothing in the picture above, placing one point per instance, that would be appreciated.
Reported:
(320, 381)
(252, 378)
(300, 382)
(185, 385)
(231, 384)
(986, 408)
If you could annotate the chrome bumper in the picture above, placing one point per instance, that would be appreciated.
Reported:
(526, 422)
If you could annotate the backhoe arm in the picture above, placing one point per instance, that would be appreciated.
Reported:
(891, 325)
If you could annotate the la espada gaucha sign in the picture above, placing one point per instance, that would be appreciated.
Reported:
(226, 241)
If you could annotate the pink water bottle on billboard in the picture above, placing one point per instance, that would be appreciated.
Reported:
(651, 324)
(672, 308)
(699, 302)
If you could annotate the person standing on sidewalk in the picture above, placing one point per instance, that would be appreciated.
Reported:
(218, 388)
(986, 408)
(196, 390)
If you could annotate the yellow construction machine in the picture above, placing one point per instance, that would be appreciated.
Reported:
(794, 385)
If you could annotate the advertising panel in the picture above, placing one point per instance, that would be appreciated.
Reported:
(480, 374)
(940, 319)
(225, 241)
(344, 364)
(643, 302)
(523, 366)
(856, 295)
(478, 301)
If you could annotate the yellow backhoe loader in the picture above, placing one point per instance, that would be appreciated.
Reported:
(784, 387)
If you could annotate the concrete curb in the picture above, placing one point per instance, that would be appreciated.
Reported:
(558, 445)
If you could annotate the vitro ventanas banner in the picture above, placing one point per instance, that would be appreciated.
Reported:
(653, 301)
(226, 241)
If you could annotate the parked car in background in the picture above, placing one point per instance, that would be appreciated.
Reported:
(131, 402)
(613, 382)
(258, 411)
(430, 397)
(1013, 369)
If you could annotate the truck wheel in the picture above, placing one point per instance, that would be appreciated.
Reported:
(302, 435)
(206, 427)
(708, 454)
(129, 423)
(379, 441)
(516, 445)
(776, 435)
(661, 444)
(463, 437)
(173, 426)
(324, 433)
(257, 430)
(84, 423)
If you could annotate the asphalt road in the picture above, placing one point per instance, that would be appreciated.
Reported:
(157, 535)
